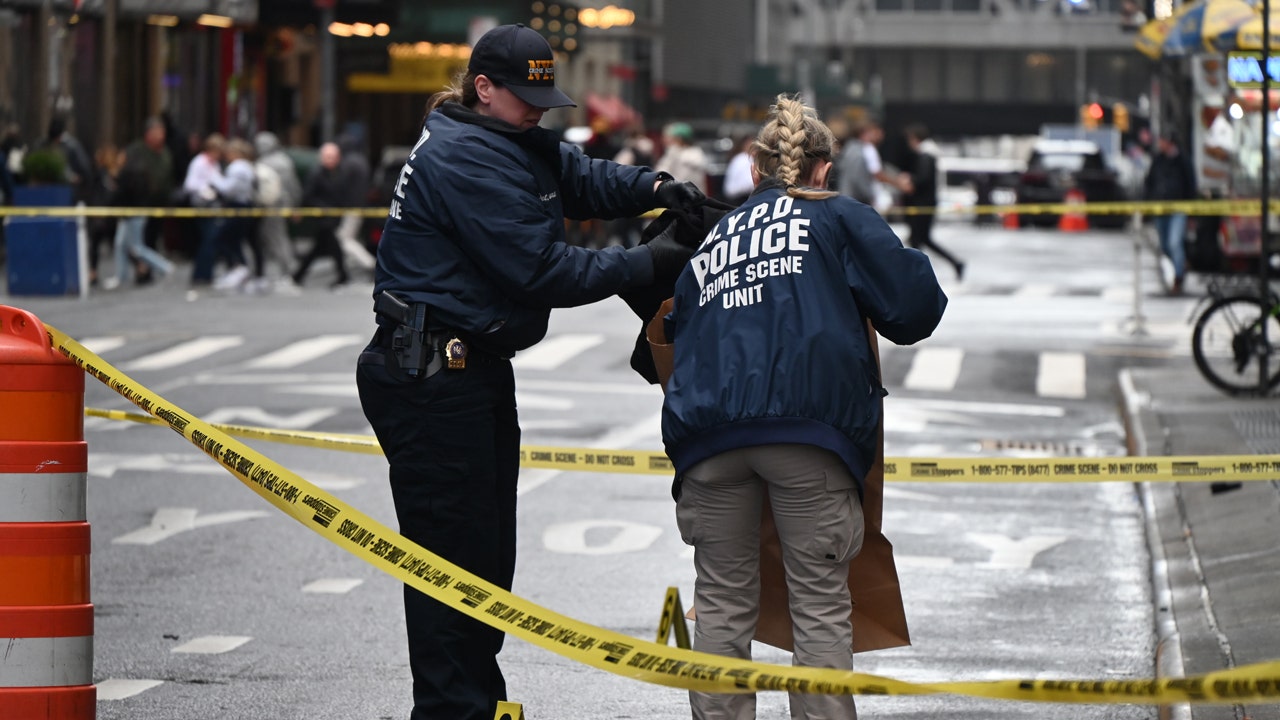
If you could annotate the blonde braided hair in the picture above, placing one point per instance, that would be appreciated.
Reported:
(791, 144)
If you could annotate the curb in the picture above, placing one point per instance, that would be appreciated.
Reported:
(1168, 660)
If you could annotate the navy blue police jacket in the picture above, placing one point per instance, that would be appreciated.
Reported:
(769, 328)
(476, 228)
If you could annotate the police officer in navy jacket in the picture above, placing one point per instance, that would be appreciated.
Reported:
(775, 390)
(471, 261)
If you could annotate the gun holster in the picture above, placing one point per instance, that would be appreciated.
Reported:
(410, 357)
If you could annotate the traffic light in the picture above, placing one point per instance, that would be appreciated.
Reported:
(558, 23)
(1090, 115)
(1120, 117)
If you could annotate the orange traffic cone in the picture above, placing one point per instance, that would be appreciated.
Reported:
(1009, 221)
(1074, 219)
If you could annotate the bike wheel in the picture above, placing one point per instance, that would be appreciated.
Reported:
(1228, 347)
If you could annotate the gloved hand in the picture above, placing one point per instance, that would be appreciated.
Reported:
(669, 256)
(675, 194)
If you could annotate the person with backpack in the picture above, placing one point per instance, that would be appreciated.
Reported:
(277, 188)
(134, 188)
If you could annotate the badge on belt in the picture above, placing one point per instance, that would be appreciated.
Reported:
(455, 352)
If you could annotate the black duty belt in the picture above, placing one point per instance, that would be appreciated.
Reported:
(444, 344)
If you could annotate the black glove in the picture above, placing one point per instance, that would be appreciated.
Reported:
(675, 194)
(669, 256)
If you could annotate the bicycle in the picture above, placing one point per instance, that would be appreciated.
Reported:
(1229, 345)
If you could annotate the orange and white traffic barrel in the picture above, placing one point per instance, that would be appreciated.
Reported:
(46, 619)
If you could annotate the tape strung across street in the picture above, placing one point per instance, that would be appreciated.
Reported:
(1168, 468)
(1146, 207)
(604, 649)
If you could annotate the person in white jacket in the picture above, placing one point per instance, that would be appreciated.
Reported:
(235, 188)
(683, 160)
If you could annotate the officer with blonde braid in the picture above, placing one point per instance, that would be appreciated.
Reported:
(775, 392)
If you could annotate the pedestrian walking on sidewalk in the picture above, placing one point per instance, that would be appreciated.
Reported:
(475, 244)
(920, 190)
(235, 189)
(326, 188)
(134, 187)
(273, 230)
(1171, 178)
(777, 395)
(204, 168)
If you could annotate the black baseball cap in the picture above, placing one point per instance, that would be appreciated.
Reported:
(519, 59)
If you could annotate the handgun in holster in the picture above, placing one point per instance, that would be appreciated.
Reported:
(408, 353)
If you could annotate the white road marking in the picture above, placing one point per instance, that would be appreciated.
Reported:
(1061, 375)
(923, 562)
(934, 369)
(259, 417)
(1009, 553)
(324, 481)
(302, 351)
(108, 464)
(981, 407)
(899, 494)
(185, 352)
(639, 387)
(212, 644)
(1034, 290)
(345, 389)
(626, 536)
(168, 522)
(554, 351)
(332, 586)
(100, 345)
(530, 401)
(119, 689)
(213, 378)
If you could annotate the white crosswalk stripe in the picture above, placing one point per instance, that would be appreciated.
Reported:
(302, 351)
(102, 345)
(554, 351)
(935, 368)
(1061, 375)
(927, 368)
(185, 352)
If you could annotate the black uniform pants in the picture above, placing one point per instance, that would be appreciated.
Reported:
(453, 443)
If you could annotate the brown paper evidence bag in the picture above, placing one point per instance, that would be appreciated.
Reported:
(879, 619)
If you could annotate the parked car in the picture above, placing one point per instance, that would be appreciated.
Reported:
(1056, 166)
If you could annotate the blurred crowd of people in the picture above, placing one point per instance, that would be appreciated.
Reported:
(169, 168)
(166, 168)
(859, 172)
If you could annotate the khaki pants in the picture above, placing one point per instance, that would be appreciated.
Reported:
(819, 519)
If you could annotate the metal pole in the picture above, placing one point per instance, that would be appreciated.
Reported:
(1139, 327)
(40, 74)
(107, 121)
(1267, 119)
(326, 74)
(762, 32)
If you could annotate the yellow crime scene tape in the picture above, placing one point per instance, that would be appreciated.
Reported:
(1146, 207)
(188, 212)
(1167, 468)
(614, 652)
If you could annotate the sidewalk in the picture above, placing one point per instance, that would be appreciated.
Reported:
(1216, 555)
